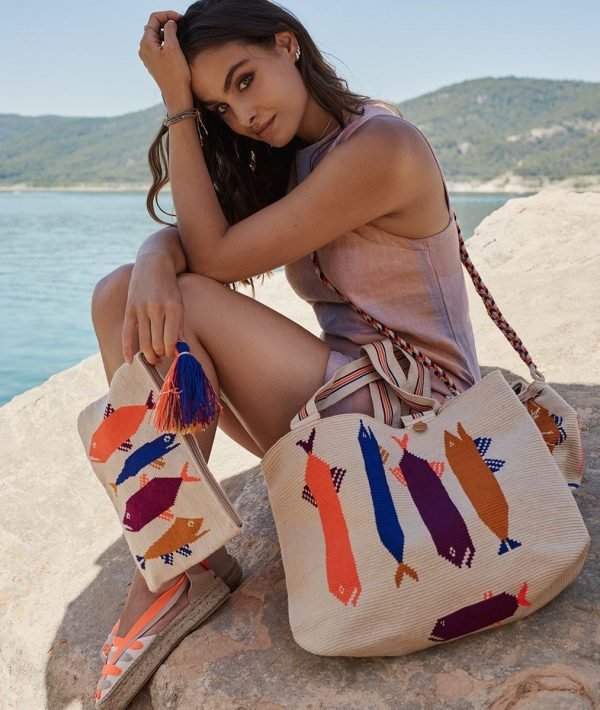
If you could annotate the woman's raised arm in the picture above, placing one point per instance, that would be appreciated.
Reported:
(193, 193)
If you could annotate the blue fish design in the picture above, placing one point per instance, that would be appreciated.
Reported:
(388, 526)
(145, 455)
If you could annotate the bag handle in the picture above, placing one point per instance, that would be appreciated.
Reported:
(482, 290)
(418, 396)
(371, 369)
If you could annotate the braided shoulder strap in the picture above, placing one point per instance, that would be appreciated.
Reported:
(493, 310)
(482, 290)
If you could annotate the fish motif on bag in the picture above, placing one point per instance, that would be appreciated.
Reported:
(145, 455)
(322, 484)
(386, 518)
(476, 476)
(550, 425)
(441, 517)
(177, 539)
(475, 617)
(154, 498)
(116, 429)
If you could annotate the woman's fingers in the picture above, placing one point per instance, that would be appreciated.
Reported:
(157, 333)
(157, 326)
(145, 336)
(170, 30)
(158, 19)
(156, 22)
(129, 326)
(173, 328)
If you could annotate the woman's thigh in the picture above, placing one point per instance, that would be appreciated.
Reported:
(267, 365)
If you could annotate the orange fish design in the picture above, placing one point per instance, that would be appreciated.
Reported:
(342, 575)
(178, 538)
(476, 477)
(550, 425)
(116, 429)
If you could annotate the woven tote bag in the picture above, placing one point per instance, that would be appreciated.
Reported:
(172, 510)
(422, 524)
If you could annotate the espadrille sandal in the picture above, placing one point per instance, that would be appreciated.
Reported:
(224, 566)
(132, 659)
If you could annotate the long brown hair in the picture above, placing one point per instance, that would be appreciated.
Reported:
(249, 174)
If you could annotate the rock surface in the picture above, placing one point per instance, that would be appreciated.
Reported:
(65, 566)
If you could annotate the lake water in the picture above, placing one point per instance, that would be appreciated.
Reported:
(55, 246)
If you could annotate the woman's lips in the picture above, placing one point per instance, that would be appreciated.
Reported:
(266, 129)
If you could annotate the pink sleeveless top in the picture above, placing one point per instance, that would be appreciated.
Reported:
(416, 287)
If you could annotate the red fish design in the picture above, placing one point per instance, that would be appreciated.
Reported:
(116, 429)
(342, 575)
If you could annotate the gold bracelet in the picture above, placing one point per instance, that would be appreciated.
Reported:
(188, 113)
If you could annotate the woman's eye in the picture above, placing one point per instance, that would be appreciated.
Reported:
(243, 79)
(240, 83)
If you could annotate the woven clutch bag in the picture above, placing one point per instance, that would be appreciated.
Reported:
(173, 511)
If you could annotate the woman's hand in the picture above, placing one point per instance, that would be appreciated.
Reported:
(155, 308)
(165, 61)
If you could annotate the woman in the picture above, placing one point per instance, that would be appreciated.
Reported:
(288, 161)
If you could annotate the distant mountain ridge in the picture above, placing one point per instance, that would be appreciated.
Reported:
(480, 129)
(483, 128)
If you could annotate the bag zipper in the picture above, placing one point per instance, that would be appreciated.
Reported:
(196, 454)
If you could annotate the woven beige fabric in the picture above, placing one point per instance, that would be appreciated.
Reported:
(172, 509)
(558, 424)
(395, 539)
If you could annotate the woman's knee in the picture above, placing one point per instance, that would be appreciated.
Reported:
(110, 294)
(192, 286)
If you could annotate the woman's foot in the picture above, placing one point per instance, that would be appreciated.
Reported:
(147, 631)
(140, 598)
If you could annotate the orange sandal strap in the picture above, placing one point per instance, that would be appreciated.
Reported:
(147, 618)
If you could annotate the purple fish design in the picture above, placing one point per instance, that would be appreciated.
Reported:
(153, 499)
(442, 518)
(478, 616)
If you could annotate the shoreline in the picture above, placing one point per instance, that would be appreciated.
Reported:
(501, 184)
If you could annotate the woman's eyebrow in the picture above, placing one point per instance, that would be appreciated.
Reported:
(228, 78)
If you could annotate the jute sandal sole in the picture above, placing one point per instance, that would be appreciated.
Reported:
(166, 640)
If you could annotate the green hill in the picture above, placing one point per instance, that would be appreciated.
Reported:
(53, 150)
(531, 127)
(480, 129)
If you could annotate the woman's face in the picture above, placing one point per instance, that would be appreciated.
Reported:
(265, 87)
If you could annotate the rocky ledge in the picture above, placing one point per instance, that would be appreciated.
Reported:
(65, 566)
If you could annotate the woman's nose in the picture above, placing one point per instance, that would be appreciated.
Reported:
(248, 120)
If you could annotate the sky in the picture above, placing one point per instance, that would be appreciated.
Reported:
(80, 58)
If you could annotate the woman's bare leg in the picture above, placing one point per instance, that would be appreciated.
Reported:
(264, 366)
